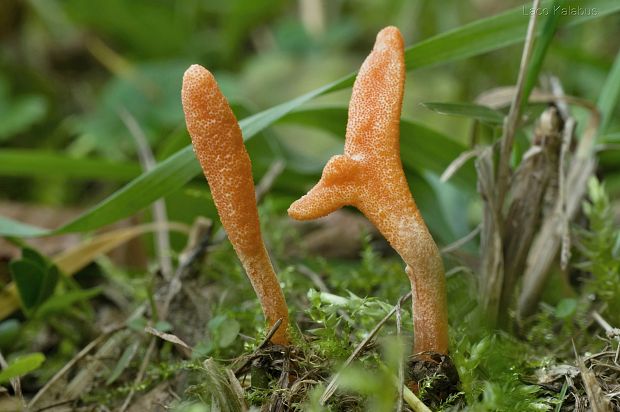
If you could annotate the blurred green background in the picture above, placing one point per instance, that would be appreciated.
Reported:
(69, 69)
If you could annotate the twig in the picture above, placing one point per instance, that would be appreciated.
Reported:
(186, 261)
(457, 269)
(407, 395)
(143, 365)
(275, 169)
(173, 288)
(163, 312)
(55, 405)
(558, 90)
(511, 121)
(414, 402)
(462, 241)
(263, 343)
(459, 162)
(270, 334)
(314, 277)
(598, 401)
(612, 333)
(569, 129)
(160, 215)
(601, 321)
(72, 362)
(333, 384)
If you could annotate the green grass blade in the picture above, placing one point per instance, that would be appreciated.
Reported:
(479, 37)
(10, 227)
(36, 163)
(543, 42)
(168, 176)
(610, 94)
(258, 122)
(474, 111)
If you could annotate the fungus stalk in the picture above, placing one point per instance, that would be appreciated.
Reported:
(370, 177)
(218, 144)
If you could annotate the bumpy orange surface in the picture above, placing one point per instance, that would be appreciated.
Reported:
(370, 177)
(218, 144)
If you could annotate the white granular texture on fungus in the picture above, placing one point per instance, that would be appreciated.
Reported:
(370, 177)
(218, 144)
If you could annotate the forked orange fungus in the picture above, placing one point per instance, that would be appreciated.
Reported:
(370, 177)
(218, 144)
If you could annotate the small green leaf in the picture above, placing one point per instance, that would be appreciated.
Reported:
(34, 257)
(566, 308)
(28, 277)
(215, 322)
(228, 332)
(21, 366)
(35, 277)
(48, 284)
(474, 111)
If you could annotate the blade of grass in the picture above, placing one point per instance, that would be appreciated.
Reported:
(543, 42)
(610, 94)
(474, 111)
(37, 163)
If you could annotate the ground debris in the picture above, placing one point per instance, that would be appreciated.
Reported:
(593, 382)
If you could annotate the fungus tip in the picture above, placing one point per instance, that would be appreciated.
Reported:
(316, 204)
(389, 38)
(297, 210)
(194, 69)
(196, 78)
(334, 190)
